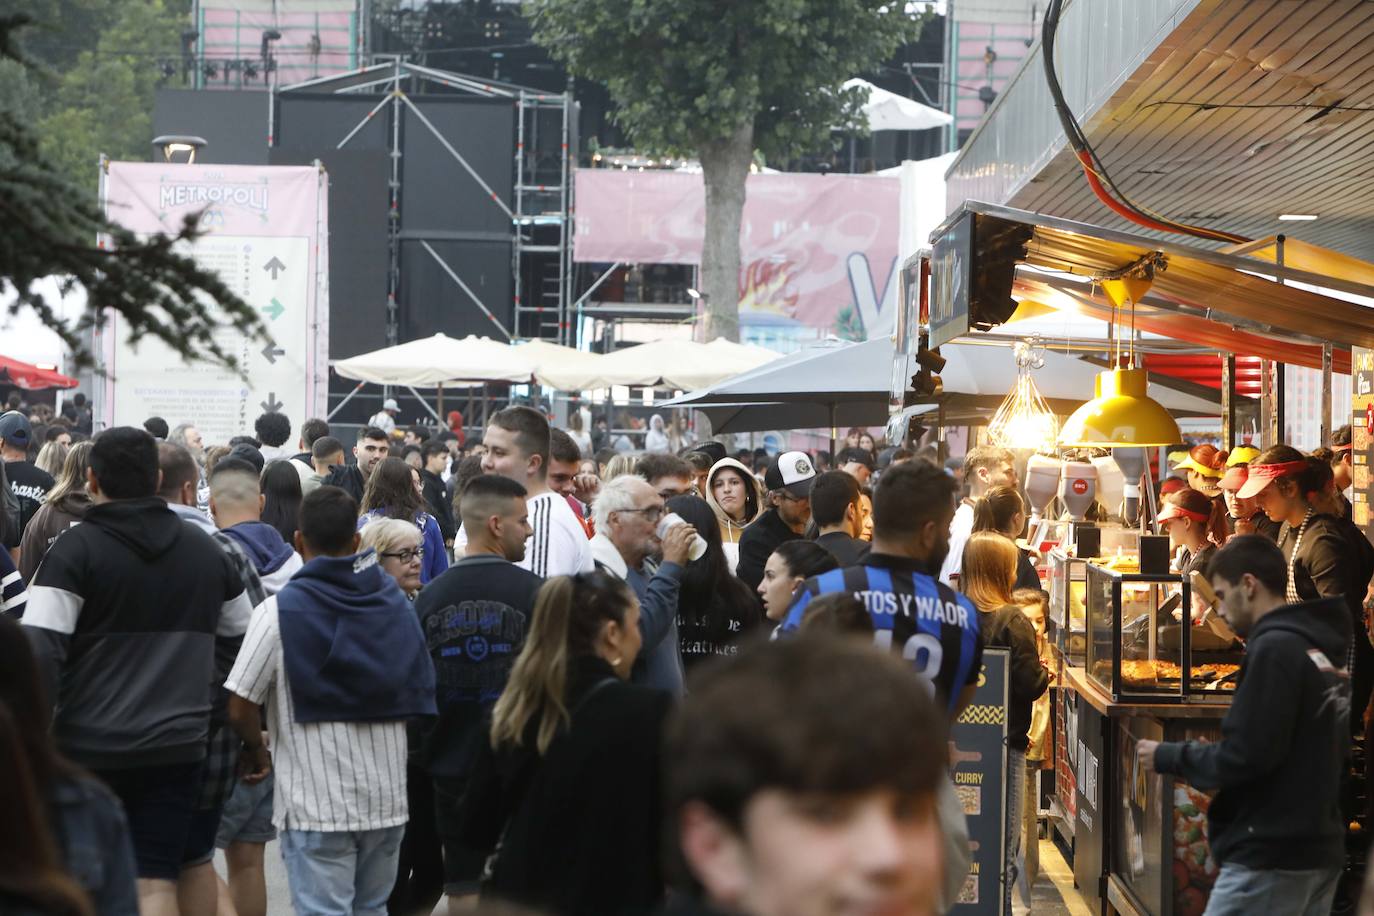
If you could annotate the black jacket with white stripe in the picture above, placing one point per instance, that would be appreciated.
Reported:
(124, 615)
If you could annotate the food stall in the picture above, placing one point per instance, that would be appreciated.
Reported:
(1137, 654)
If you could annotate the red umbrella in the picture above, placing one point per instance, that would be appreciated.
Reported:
(31, 377)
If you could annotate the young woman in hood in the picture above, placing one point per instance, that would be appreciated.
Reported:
(656, 439)
(737, 499)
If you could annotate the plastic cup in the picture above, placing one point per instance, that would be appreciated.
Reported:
(672, 520)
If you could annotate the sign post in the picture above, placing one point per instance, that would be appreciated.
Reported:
(978, 763)
(267, 239)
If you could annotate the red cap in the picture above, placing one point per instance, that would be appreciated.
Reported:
(1234, 478)
(1262, 475)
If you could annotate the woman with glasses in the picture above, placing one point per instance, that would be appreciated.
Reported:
(565, 793)
(393, 492)
(420, 865)
(400, 551)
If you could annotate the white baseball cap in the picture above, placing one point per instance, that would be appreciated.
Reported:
(791, 471)
(390, 404)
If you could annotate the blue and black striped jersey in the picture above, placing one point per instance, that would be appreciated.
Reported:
(927, 622)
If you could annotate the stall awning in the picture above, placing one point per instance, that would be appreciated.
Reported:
(1226, 301)
(32, 378)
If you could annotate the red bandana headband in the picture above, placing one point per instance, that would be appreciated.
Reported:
(1275, 471)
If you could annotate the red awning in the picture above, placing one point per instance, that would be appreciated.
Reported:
(31, 377)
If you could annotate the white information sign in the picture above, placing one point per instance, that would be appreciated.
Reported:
(267, 241)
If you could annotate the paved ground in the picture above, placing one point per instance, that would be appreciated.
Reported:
(1053, 894)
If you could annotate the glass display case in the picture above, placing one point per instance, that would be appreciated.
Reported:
(1137, 641)
(1066, 617)
(1067, 578)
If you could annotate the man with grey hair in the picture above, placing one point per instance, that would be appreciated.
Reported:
(627, 513)
(188, 437)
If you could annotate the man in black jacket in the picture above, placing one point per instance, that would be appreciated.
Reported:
(837, 510)
(474, 617)
(1275, 826)
(788, 479)
(125, 616)
(434, 455)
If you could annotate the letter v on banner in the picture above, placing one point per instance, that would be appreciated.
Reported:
(875, 312)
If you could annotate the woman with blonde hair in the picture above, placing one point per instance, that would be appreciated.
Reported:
(565, 796)
(65, 505)
(986, 577)
(399, 551)
(51, 457)
(623, 463)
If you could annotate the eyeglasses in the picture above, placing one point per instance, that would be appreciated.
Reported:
(405, 556)
(650, 513)
(789, 497)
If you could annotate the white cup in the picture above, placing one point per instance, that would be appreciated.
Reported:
(672, 520)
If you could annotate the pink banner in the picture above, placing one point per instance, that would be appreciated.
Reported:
(265, 235)
(817, 251)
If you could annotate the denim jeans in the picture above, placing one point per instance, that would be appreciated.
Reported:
(1240, 890)
(341, 873)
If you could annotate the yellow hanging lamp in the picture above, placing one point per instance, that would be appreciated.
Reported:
(1122, 413)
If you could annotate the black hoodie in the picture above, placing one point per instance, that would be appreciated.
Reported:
(124, 615)
(1283, 747)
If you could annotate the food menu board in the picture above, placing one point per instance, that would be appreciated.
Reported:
(1362, 436)
(978, 764)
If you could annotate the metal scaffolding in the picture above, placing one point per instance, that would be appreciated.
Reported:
(540, 220)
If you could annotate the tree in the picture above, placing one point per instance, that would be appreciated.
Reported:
(720, 79)
(49, 226)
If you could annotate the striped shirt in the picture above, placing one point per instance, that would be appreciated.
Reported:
(929, 624)
(13, 596)
(330, 776)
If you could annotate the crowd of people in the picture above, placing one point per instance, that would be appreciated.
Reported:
(522, 672)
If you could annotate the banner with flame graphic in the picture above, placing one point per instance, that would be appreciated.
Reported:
(818, 252)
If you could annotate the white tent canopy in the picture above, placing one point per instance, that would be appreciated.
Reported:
(439, 360)
(681, 363)
(890, 111)
(564, 368)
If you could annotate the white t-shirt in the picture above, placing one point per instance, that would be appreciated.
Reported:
(959, 530)
(331, 776)
(559, 545)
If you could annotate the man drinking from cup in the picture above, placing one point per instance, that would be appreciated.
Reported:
(628, 513)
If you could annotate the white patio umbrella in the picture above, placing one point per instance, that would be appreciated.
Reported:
(439, 360)
(890, 111)
(682, 363)
(563, 367)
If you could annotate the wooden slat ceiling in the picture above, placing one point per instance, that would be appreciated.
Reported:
(1288, 72)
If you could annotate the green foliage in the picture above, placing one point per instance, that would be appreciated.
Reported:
(49, 223)
(689, 72)
(91, 91)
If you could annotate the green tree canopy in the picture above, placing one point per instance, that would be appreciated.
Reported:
(50, 220)
(719, 79)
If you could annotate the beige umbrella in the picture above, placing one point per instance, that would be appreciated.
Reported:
(682, 363)
(562, 367)
(439, 360)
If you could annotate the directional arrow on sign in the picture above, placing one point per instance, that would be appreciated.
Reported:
(271, 405)
(275, 266)
(275, 310)
(271, 351)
